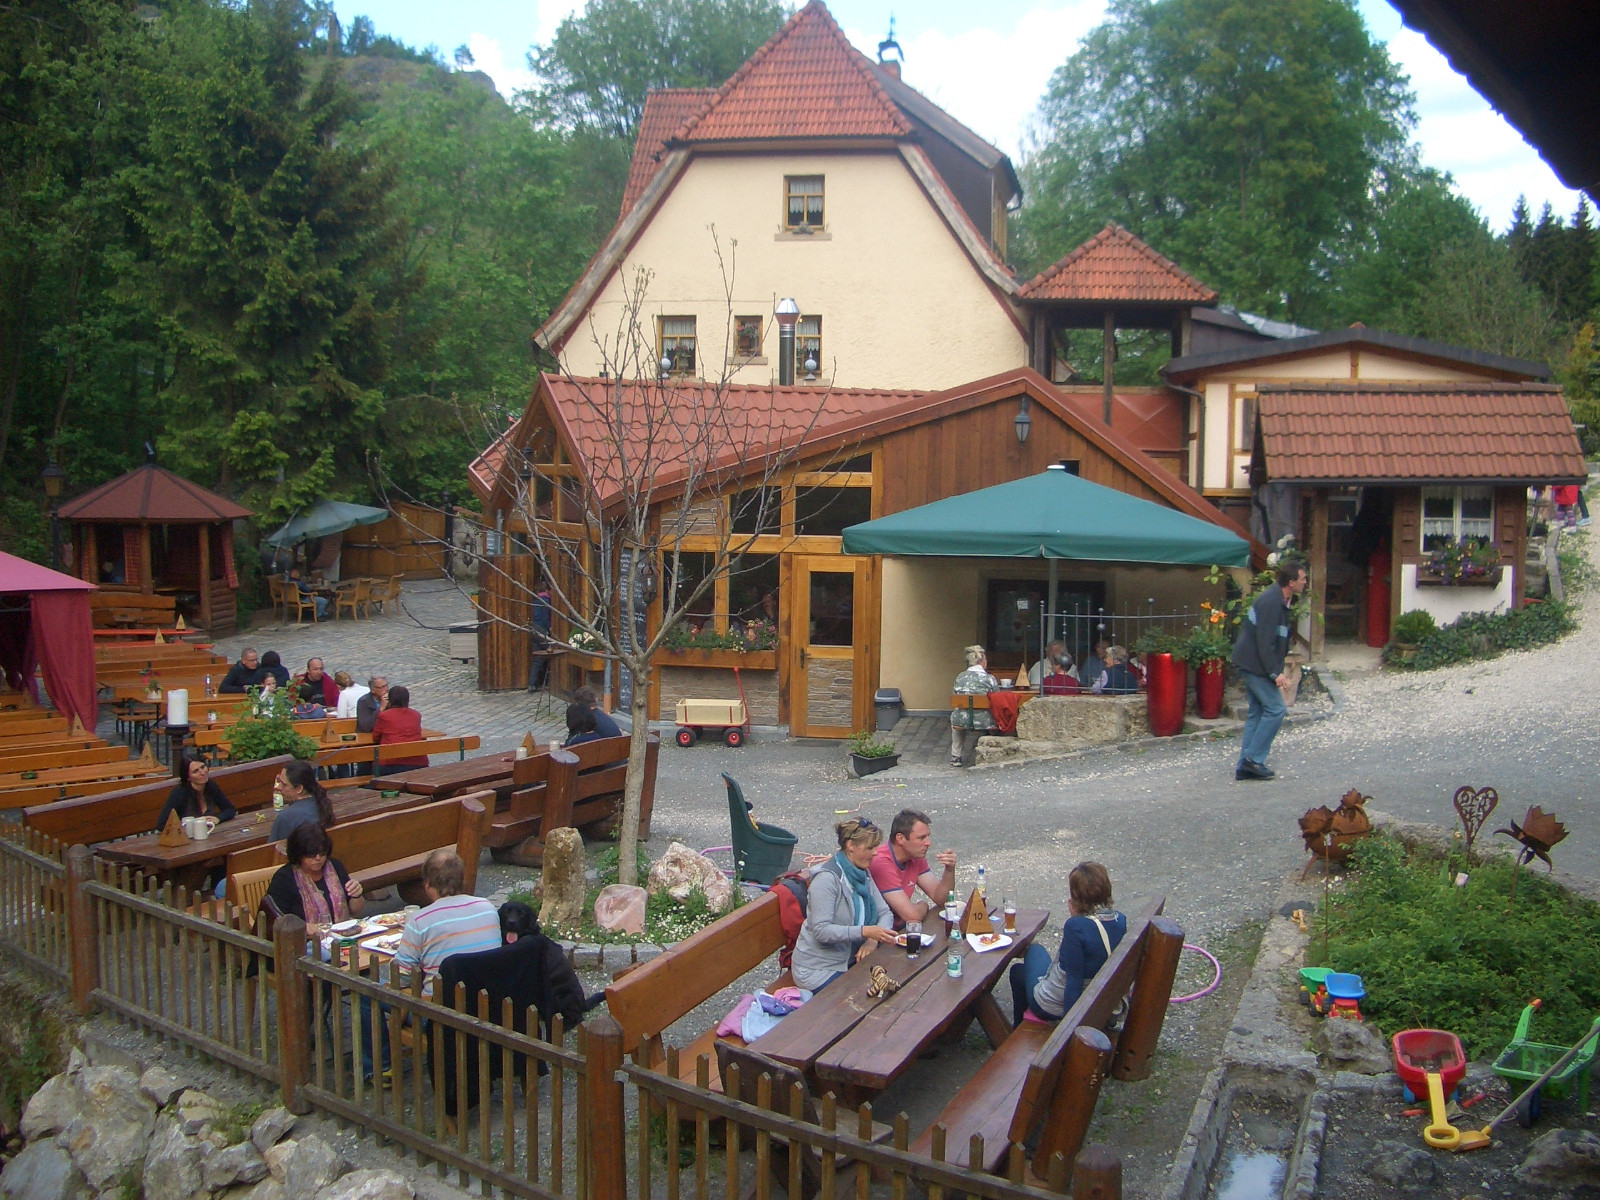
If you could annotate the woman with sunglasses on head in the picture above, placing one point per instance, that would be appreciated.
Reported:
(196, 795)
(314, 886)
(304, 799)
(845, 912)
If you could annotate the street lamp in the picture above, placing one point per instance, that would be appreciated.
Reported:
(54, 478)
(787, 314)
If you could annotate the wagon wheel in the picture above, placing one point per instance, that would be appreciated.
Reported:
(687, 736)
(1528, 1110)
(733, 735)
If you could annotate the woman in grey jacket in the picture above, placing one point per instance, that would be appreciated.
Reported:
(845, 912)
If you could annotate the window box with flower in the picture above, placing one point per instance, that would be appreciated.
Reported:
(1463, 562)
(749, 645)
(586, 651)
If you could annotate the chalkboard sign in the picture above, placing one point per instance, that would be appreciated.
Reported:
(634, 632)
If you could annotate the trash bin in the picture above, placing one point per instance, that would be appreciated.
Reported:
(890, 707)
(464, 641)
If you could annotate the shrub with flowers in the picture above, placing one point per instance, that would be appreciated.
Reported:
(1237, 606)
(587, 642)
(1209, 641)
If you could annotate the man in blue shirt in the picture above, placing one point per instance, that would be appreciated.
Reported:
(1259, 652)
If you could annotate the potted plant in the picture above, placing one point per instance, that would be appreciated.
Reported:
(870, 753)
(1206, 650)
(1166, 680)
(1464, 563)
(1410, 630)
(269, 732)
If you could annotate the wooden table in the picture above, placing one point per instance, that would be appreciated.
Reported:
(189, 863)
(456, 778)
(857, 1045)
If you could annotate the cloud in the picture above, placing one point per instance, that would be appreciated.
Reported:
(509, 71)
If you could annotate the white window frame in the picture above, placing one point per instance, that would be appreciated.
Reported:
(1457, 525)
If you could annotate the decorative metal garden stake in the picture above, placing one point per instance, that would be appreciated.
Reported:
(1474, 807)
(1539, 833)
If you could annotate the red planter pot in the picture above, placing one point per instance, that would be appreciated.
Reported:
(1208, 689)
(1166, 682)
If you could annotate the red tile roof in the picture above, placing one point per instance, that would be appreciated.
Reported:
(152, 493)
(1115, 265)
(1418, 433)
(806, 82)
(665, 110)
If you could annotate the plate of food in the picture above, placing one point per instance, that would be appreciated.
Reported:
(344, 929)
(988, 941)
(385, 944)
(391, 920)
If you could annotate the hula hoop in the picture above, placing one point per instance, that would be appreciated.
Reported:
(1209, 988)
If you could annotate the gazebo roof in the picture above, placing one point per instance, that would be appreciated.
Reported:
(152, 494)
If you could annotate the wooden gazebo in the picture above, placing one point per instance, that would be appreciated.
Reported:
(151, 531)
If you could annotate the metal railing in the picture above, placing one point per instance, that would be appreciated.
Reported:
(1082, 628)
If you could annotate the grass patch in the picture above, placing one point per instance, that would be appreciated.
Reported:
(1437, 956)
(236, 1123)
(665, 920)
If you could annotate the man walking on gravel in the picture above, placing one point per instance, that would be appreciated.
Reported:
(1263, 641)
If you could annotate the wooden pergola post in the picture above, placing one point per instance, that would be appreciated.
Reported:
(1108, 354)
(1318, 566)
(204, 532)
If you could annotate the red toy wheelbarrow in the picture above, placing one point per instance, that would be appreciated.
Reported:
(1419, 1051)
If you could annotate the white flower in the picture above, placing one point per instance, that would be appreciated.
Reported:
(1285, 541)
(1272, 559)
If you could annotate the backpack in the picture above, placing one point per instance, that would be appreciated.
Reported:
(792, 895)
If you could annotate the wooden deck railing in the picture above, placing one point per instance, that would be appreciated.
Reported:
(33, 907)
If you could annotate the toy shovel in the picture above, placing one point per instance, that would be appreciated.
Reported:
(1477, 1139)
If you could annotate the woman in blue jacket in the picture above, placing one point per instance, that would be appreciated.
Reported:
(1048, 989)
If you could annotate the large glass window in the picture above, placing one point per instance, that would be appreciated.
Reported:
(1452, 513)
(758, 510)
(753, 599)
(833, 606)
(825, 511)
(808, 347)
(802, 209)
(692, 569)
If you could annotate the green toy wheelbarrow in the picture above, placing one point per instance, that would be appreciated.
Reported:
(1526, 1061)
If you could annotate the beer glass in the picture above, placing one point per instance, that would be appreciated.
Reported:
(913, 938)
(1010, 911)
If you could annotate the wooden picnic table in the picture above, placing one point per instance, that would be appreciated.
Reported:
(848, 1042)
(195, 858)
(454, 778)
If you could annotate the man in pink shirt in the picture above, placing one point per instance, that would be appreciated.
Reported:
(900, 866)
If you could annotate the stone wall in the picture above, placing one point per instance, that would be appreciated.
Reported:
(1051, 724)
(718, 683)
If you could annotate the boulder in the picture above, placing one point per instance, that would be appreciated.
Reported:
(1402, 1165)
(51, 1109)
(267, 1189)
(198, 1111)
(312, 1166)
(108, 1135)
(564, 888)
(368, 1185)
(239, 1163)
(680, 870)
(621, 907)
(1562, 1158)
(271, 1127)
(1352, 1046)
(277, 1158)
(1083, 720)
(43, 1171)
(161, 1085)
(173, 1165)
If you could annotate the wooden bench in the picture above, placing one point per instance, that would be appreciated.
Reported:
(1049, 1076)
(110, 606)
(340, 755)
(648, 998)
(579, 786)
(132, 810)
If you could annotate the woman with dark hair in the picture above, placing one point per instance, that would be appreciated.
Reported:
(580, 725)
(1048, 989)
(315, 886)
(398, 722)
(845, 912)
(305, 801)
(195, 795)
(272, 664)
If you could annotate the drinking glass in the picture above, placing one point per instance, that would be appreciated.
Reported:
(913, 938)
(1010, 906)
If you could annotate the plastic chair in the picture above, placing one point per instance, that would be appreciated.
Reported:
(384, 592)
(356, 596)
(762, 852)
(301, 602)
(280, 596)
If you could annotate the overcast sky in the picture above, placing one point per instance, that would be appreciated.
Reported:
(989, 63)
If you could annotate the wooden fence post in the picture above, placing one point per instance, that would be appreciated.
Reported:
(82, 932)
(294, 1018)
(1073, 1101)
(1097, 1175)
(1152, 990)
(607, 1128)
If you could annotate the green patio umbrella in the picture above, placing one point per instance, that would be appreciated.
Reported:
(321, 519)
(1051, 515)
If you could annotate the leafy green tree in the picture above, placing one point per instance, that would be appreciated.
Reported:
(1475, 296)
(1242, 138)
(597, 69)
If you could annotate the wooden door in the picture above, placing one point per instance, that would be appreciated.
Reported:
(830, 657)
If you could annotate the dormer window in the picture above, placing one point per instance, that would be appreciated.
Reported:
(802, 212)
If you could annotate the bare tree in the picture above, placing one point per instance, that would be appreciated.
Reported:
(659, 455)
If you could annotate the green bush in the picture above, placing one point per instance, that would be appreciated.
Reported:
(1434, 955)
(269, 734)
(1412, 626)
(867, 744)
(1483, 635)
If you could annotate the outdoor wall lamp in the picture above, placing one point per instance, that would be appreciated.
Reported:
(1023, 422)
(54, 478)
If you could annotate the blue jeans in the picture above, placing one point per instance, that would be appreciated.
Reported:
(1267, 709)
(1025, 976)
(363, 1034)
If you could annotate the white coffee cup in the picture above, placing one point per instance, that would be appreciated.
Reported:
(199, 828)
(1005, 683)
(522, 752)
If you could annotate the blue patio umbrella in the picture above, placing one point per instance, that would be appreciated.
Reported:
(321, 519)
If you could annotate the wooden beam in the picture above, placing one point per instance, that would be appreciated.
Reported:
(1108, 355)
(204, 532)
(1319, 570)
